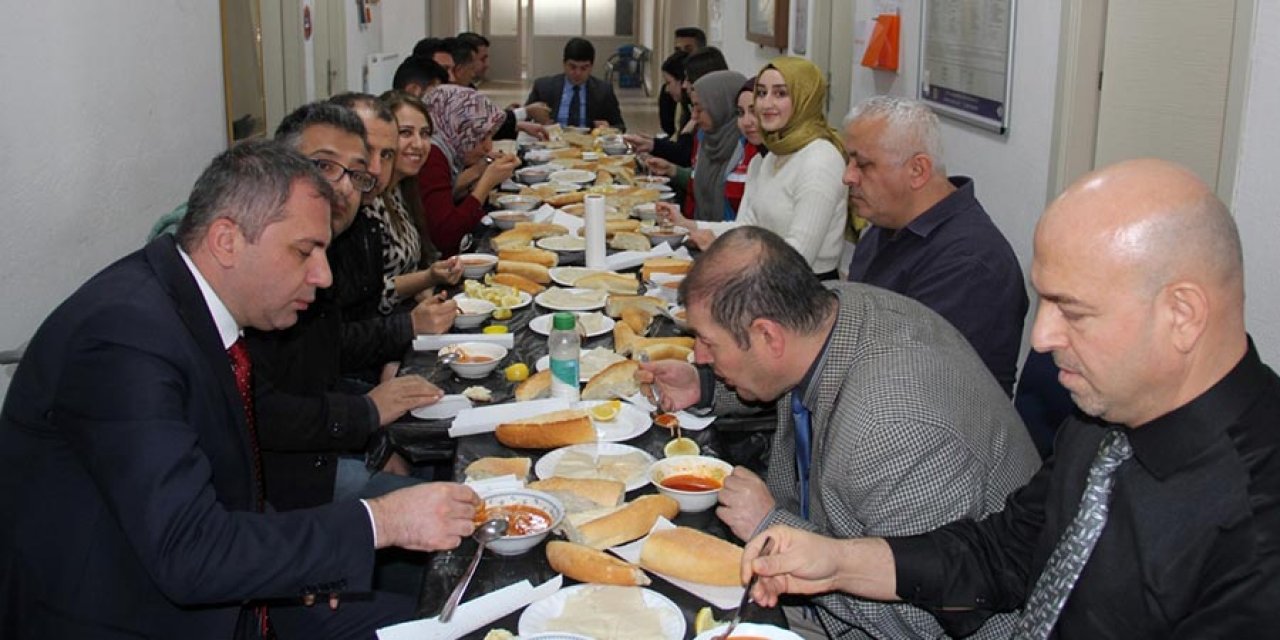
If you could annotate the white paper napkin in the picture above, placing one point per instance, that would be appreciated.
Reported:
(688, 421)
(629, 259)
(435, 343)
(545, 213)
(496, 484)
(721, 597)
(568, 221)
(473, 614)
(485, 419)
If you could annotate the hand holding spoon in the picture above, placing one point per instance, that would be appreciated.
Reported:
(488, 532)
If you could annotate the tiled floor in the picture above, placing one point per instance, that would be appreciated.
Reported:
(639, 111)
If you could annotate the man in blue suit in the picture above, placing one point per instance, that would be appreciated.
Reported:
(131, 500)
(575, 97)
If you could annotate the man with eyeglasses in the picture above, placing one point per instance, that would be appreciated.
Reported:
(930, 238)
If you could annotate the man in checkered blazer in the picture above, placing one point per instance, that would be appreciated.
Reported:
(907, 429)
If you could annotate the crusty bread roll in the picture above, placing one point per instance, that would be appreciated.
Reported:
(617, 380)
(548, 430)
(535, 386)
(623, 337)
(585, 564)
(654, 352)
(638, 319)
(626, 524)
(492, 467)
(529, 270)
(664, 265)
(624, 283)
(616, 304)
(692, 555)
(566, 198)
(512, 239)
(599, 492)
(518, 281)
(539, 230)
(630, 241)
(536, 256)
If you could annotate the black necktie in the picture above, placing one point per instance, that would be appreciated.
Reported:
(575, 107)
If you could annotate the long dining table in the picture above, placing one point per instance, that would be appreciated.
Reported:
(739, 440)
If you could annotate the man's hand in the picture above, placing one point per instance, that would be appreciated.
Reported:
(702, 238)
(434, 315)
(532, 128)
(601, 124)
(668, 213)
(447, 271)
(661, 167)
(425, 517)
(744, 502)
(396, 396)
(538, 112)
(641, 143)
(469, 176)
(677, 382)
(807, 563)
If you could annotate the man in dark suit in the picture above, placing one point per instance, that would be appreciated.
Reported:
(575, 98)
(131, 501)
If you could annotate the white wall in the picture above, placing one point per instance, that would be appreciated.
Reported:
(362, 40)
(404, 23)
(1257, 191)
(744, 56)
(110, 113)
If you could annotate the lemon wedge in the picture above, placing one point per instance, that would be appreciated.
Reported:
(606, 411)
(681, 447)
(494, 328)
(517, 372)
(704, 621)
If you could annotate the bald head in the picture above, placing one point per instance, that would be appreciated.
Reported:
(1141, 285)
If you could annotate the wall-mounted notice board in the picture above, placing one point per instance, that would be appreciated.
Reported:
(966, 66)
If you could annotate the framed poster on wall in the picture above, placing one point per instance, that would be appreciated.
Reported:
(767, 22)
(966, 66)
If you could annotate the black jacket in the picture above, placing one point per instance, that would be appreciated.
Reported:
(602, 104)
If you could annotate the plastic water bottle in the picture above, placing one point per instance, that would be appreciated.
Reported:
(563, 346)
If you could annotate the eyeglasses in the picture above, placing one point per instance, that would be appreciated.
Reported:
(363, 181)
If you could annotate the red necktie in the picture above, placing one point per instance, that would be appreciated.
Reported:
(242, 367)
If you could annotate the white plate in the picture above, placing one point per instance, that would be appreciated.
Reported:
(562, 244)
(586, 305)
(447, 407)
(542, 325)
(525, 299)
(546, 465)
(584, 374)
(750, 629)
(630, 423)
(535, 617)
(576, 176)
(568, 276)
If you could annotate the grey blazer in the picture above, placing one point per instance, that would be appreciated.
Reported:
(909, 432)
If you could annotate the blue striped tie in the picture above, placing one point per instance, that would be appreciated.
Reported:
(801, 416)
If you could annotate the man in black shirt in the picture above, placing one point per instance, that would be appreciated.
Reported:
(1141, 283)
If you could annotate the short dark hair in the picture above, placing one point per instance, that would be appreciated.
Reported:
(702, 62)
(428, 46)
(474, 39)
(419, 70)
(750, 273)
(354, 101)
(579, 50)
(248, 184)
(693, 32)
(674, 64)
(319, 113)
(461, 50)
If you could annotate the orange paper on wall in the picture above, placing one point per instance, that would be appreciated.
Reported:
(882, 50)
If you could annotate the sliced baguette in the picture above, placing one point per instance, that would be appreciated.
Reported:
(534, 387)
(617, 380)
(630, 241)
(617, 303)
(566, 198)
(531, 271)
(654, 352)
(623, 337)
(539, 230)
(511, 239)
(638, 319)
(518, 281)
(548, 430)
(626, 524)
(584, 564)
(534, 255)
(623, 283)
(692, 555)
(599, 492)
(492, 467)
(664, 265)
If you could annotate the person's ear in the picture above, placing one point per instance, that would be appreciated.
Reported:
(224, 241)
(769, 335)
(1186, 306)
(920, 168)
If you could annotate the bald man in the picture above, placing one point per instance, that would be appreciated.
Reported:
(1164, 495)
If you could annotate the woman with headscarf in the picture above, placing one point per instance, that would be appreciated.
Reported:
(796, 191)
(465, 121)
(720, 149)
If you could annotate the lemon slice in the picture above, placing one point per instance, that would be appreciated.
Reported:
(704, 621)
(681, 447)
(517, 372)
(494, 328)
(606, 411)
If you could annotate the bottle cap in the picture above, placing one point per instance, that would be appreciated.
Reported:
(563, 321)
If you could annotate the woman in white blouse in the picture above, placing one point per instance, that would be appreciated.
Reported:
(796, 190)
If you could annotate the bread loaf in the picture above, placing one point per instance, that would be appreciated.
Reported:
(638, 319)
(531, 271)
(626, 524)
(664, 265)
(536, 256)
(512, 239)
(539, 230)
(603, 493)
(689, 554)
(654, 352)
(630, 241)
(617, 303)
(518, 281)
(535, 386)
(623, 337)
(585, 564)
(566, 198)
(624, 283)
(491, 467)
(617, 380)
(548, 430)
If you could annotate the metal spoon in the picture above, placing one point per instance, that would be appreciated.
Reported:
(488, 532)
(464, 245)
